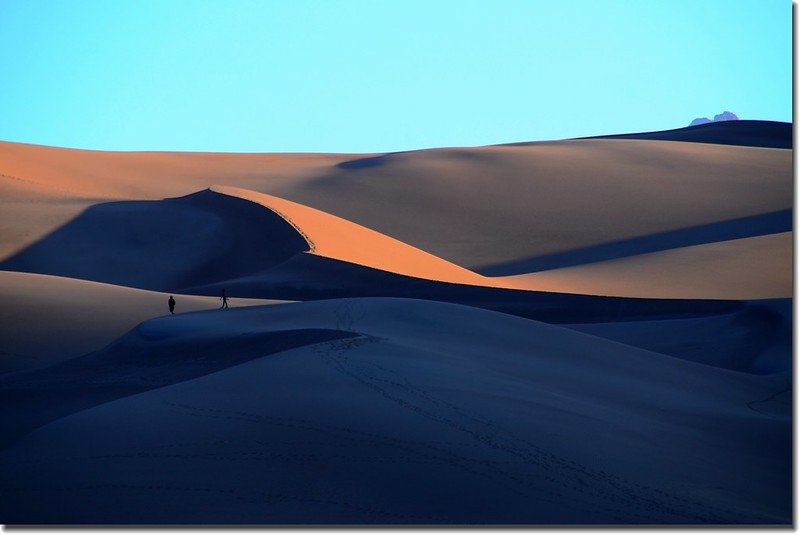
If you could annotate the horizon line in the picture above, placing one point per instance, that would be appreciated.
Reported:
(438, 147)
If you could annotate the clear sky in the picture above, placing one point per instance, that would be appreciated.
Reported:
(373, 75)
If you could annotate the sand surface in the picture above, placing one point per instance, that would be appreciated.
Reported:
(46, 319)
(447, 414)
(578, 331)
(748, 268)
(475, 207)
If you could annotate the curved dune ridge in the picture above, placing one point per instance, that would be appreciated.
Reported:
(219, 234)
(164, 245)
(334, 237)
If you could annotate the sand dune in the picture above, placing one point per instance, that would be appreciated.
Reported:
(217, 235)
(749, 268)
(719, 231)
(333, 237)
(742, 132)
(472, 206)
(46, 319)
(614, 361)
(223, 236)
(164, 245)
(756, 338)
(483, 206)
(445, 413)
(48, 186)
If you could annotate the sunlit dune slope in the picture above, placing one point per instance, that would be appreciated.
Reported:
(337, 238)
(759, 267)
(42, 188)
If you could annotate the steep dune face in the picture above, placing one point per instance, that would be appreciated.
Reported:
(333, 237)
(445, 413)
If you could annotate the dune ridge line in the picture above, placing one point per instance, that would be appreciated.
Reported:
(334, 237)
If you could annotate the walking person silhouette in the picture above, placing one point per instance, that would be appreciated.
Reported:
(171, 304)
(224, 299)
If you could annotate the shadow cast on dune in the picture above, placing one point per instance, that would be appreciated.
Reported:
(160, 245)
(744, 227)
(137, 362)
(364, 163)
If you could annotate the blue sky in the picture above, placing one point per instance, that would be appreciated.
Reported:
(373, 75)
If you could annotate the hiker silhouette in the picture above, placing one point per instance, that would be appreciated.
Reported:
(171, 304)
(224, 299)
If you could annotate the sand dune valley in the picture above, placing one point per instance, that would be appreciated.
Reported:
(585, 331)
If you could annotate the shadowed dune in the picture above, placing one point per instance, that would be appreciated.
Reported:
(164, 245)
(742, 132)
(47, 319)
(754, 338)
(136, 363)
(431, 406)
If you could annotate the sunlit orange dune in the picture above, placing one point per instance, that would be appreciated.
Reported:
(143, 174)
(333, 237)
(43, 188)
(759, 267)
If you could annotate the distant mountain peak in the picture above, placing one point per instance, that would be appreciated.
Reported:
(724, 116)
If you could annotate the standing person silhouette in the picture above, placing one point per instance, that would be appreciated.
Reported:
(171, 304)
(224, 299)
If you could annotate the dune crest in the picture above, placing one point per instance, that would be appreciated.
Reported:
(333, 237)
